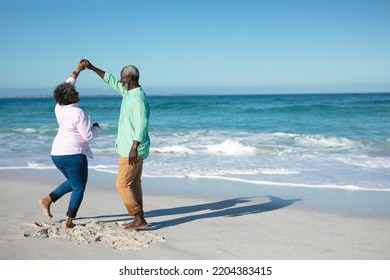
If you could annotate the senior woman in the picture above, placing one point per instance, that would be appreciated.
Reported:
(70, 147)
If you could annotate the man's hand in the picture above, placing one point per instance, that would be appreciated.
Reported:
(86, 63)
(89, 66)
(133, 155)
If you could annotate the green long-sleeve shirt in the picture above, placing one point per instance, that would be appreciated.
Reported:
(133, 119)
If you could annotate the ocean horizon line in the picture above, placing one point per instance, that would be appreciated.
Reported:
(151, 94)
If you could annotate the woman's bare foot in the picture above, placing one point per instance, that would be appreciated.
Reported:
(45, 205)
(69, 223)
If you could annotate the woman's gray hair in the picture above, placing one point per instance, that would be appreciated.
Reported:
(65, 94)
(131, 71)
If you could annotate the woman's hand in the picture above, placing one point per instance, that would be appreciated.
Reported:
(86, 63)
(81, 66)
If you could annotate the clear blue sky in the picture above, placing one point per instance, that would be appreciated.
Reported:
(241, 46)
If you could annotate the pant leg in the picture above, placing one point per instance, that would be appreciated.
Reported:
(62, 163)
(137, 186)
(78, 177)
(128, 184)
(75, 169)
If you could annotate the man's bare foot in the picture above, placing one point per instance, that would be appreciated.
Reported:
(133, 226)
(45, 205)
(69, 223)
(138, 223)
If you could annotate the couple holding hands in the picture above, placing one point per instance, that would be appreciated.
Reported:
(70, 148)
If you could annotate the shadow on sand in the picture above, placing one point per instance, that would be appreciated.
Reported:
(225, 208)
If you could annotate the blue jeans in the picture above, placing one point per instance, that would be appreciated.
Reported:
(75, 170)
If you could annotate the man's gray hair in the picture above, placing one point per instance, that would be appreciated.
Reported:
(131, 71)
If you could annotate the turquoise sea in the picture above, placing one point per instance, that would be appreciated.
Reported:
(307, 140)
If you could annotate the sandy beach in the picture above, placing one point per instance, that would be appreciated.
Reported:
(193, 219)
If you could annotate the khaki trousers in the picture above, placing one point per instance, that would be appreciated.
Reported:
(128, 184)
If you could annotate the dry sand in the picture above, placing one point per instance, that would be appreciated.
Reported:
(193, 219)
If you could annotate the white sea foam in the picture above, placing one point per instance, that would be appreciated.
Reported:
(319, 141)
(175, 149)
(286, 184)
(111, 171)
(229, 148)
(26, 167)
(108, 150)
(29, 130)
(35, 165)
(278, 171)
(255, 171)
(366, 162)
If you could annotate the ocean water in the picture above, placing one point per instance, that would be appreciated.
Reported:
(318, 140)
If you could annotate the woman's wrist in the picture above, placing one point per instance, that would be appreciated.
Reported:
(76, 72)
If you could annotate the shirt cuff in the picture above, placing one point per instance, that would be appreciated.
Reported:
(71, 81)
(107, 77)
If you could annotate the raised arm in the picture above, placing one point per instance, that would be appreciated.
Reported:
(93, 68)
(76, 72)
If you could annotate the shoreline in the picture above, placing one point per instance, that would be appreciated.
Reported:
(260, 183)
(201, 219)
